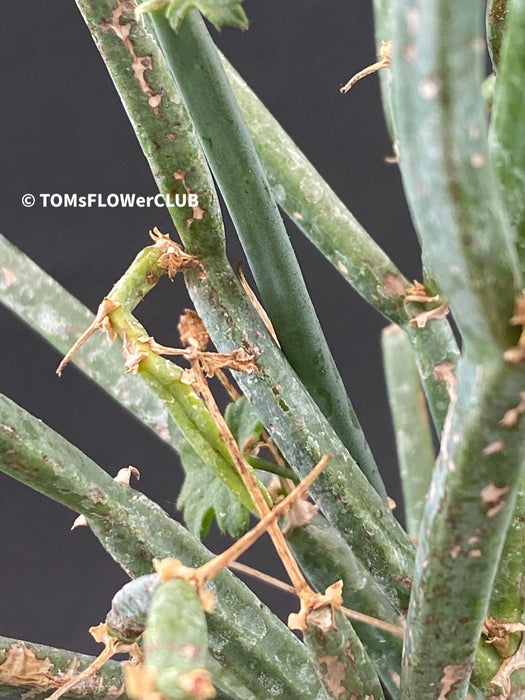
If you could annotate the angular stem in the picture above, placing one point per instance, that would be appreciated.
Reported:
(36, 670)
(463, 531)
(437, 67)
(134, 531)
(295, 422)
(195, 65)
(324, 219)
(507, 143)
(415, 451)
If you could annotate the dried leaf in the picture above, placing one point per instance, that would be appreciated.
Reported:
(124, 475)
(421, 320)
(21, 667)
(507, 668)
(192, 330)
(174, 258)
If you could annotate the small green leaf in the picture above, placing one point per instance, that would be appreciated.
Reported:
(243, 421)
(218, 12)
(203, 497)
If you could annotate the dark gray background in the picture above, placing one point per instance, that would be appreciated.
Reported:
(63, 130)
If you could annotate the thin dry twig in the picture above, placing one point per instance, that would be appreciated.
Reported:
(385, 51)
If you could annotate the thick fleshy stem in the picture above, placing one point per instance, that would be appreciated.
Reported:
(134, 531)
(37, 669)
(415, 451)
(195, 65)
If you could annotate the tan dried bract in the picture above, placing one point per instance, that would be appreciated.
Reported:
(173, 259)
(21, 667)
(192, 331)
(100, 322)
(197, 684)
(513, 663)
(170, 568)
(134, 354)
(300, 514)
(385, 52)
(421, 320)
(418, 294)
(332, 597)
(498, 634)
(124, 475)
(512, 416)
(239, 360)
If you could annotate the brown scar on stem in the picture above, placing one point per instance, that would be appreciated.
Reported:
(385, 52)
(493, 448)
(100, 322)
(516, 354)
(452, 675)
(198, 211)
(332, 671)
(139, 64)
(492, 497)
(9, 276)
(392, 285)
(512, 416)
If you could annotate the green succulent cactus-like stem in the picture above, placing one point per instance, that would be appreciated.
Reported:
(339, 657)
(37, 670)
(326, 558)
(415, 450)
(437, 67)
(176, 641)
(195, 65)
(294, 420)
(255, 647)
(325, 220)
(508, 123)
(468, 511)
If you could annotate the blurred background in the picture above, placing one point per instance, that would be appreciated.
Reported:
(63, 130)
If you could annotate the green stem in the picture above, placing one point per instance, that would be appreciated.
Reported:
(243, 634)
(507, 143)
(295, 422)
(339, 657)
(326, 558)
(48, 667)
(330, 226)
(463, 531)
(271, 467)
(415, 450)
(166, 379)
(196, 67)
(447, 173)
